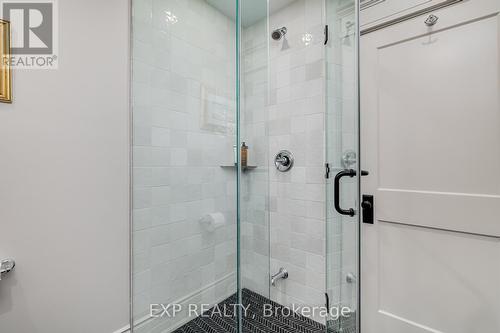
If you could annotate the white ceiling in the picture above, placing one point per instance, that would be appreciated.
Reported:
(252, 10)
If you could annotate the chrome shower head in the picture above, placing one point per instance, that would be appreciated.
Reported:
(279, 33)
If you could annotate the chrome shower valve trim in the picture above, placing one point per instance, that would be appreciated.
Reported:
(284, 161)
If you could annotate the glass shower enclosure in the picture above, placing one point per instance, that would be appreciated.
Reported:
(243, 114)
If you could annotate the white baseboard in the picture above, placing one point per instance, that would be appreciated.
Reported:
(125, 329)
(144, 320)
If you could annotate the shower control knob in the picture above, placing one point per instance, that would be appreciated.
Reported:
(284, 161)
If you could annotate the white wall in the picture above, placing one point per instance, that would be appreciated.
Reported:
(64, 186)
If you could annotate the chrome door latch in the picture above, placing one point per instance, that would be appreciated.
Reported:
(6, 266)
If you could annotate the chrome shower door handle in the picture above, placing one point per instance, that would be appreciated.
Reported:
(336, 201)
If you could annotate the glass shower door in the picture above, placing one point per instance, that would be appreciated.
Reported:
(184, 225)
(342, 158)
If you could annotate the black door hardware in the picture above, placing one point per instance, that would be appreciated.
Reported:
(351, 173)
(367, 207)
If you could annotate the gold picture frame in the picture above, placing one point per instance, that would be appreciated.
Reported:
(5, 68)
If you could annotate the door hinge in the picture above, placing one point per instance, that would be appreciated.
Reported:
(327, 170)
(326, 34)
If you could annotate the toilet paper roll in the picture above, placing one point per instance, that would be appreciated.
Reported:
(211, 222)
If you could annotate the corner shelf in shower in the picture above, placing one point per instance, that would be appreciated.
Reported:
(245, 168)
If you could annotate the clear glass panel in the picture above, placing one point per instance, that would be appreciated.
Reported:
(342, 140)
(184, 174)
(295, 122)
(283, 108)
(255, 205)
(254, 90)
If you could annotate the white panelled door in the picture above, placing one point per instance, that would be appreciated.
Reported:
(430, 133)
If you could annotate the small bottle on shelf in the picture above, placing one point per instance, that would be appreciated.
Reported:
(244, 155)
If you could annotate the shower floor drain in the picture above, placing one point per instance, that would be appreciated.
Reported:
(256, 322)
